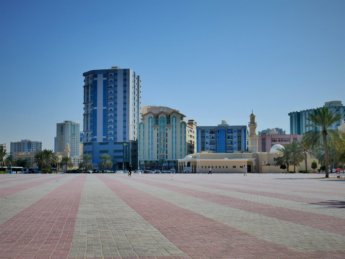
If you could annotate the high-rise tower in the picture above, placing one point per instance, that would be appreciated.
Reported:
(68, 134)
(111, 115)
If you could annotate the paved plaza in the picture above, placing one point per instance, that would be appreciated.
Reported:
(172, 216)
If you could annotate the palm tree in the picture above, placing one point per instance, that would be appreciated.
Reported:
(22, 162)
(106, 162)
(291, 154)
(284, 159)
(339, 146)
(296, 154)
(306, 148)
(2, 154)
(45, 159)
(323, 119)
(87, 162)
(66, 162)
(9, 160)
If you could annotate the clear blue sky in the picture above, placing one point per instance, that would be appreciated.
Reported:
(210, 59)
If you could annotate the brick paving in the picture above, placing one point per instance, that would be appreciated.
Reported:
(171, 216)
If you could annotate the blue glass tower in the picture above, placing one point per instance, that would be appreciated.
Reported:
(300, 123)
(111, 115)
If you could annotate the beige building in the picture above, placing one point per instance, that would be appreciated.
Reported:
(191, 137)
(260, 162)
(162, 137)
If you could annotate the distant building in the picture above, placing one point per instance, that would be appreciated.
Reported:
(191, 137)
(222, 138)
(111, 115)
(68, 134)
(300, 123)
(272, 131)
(162, 137)
(270, 137)
(25, 149)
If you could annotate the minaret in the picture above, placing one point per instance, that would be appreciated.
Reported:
(253, 138)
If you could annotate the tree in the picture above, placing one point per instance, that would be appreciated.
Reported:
(306, 148)
(9, 160)
(66, 162)
(45, 160)
(87, 162)
(296, 154)
(24, 162)
(106, 162)
(339, 147)
(291, 154)
(323, 119)
(284, 159)
(2, 154)
(314, 165)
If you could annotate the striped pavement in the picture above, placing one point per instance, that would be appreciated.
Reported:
(171, 216)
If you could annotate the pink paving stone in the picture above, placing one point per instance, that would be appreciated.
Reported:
(194, 234)
(136, 257)
(323, 222)
(261, 193)
(38, 229)
(263, 185)
(16, 178)
(23, 186)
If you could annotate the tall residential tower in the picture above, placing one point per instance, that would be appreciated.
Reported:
(111, 115)
(68, 135)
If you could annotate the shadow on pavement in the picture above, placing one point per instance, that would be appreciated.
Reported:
(331, 204)
(301, 178)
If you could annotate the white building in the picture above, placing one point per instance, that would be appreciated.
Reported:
(67, 139)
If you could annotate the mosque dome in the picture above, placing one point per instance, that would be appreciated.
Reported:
(276, 148)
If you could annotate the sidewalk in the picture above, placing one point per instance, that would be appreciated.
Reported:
(172, 216)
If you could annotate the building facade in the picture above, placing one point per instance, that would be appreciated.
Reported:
(67, 135)
(300, 123)
(111, 115)
(222, 138)
(162, 137)
(25, 149)
(260, 162)
(269, 138)
(191, 137)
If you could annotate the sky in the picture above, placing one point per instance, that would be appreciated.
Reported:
(212, 60)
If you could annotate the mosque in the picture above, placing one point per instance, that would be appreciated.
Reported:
(246, 162)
